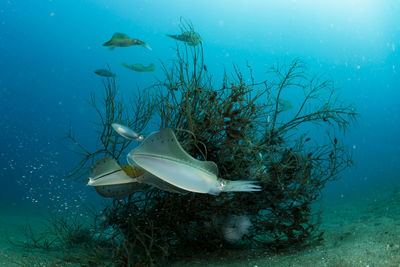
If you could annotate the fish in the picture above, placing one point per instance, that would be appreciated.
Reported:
(139, 67)
(122, 40)
(191, 38)
(285, 105)
(126, 132)
(105, 73)
(162, 155)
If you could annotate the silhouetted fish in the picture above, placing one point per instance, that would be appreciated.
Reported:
(122, 40)
(104, 73)
(139, 67)
(190, 37)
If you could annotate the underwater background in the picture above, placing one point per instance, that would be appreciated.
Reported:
(50, 49)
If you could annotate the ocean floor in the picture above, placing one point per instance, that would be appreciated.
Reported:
(362, 231)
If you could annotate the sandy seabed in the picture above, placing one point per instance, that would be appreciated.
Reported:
(362, 231)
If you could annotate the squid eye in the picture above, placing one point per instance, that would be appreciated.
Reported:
(221, 184)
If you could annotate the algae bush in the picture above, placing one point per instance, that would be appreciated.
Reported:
(244, 126)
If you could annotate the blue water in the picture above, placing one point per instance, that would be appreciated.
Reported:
(49, 50)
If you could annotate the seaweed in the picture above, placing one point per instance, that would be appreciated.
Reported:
(135, 115)
(245, 129)
(33, 240)
(67, 241)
